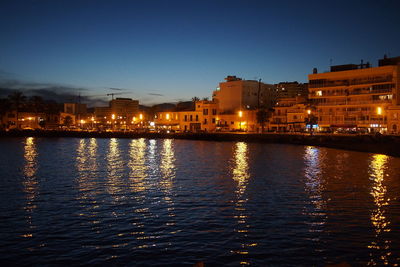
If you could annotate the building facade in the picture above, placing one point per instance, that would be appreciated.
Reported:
(289, 115)
(355, 97)
(236, 94)
(203, 118)
(291, 89)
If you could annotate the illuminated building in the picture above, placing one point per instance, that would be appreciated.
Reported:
(355, 97)
(289, 115)
(236, 94)
(26, 120)
(243, 120)
(75, 108)
(291, 89)
(122, 113)
(393, 114)
(202, 118)
(124, 107)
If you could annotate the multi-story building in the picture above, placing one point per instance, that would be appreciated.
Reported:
(206, 118)
(393, 114)
(75, 108)
(122, 113)
(355, 97)
(289, 115)
(125, 107)
(236, 94)
(25, 120)
(202, 118)
(291, 89)
(73, 114)
(243, 120)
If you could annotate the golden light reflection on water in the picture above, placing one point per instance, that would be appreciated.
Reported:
(142, 165)
(87, 167)
(137, 166)
(30, 182)
(240, 173)
(167, 168)
(86, 164)
(167, 164)
(380, 246)
(115, 169)
(314, 160)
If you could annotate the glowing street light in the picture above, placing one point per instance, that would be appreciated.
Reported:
(240, 122)
(308, 111)
(141, 116)
(113, 116)
(379, 112)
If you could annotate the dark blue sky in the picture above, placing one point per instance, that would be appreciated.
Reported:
(182, 49)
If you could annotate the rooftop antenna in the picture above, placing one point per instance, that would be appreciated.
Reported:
(330, 62)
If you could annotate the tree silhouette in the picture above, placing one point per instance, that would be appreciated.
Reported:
(67, 121)
(17, 99)
(262, 116)
(36, 103)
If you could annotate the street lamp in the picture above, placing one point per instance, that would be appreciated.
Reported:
(82, 123)
(240, 121)
(113, 122)
(309, 120)
(379, 112)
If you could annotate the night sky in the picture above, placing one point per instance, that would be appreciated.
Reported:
(162, 51)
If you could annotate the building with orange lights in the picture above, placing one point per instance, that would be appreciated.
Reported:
(356, 97)
(289, 115)
(204, 117)
(236, 94)
(121, 114)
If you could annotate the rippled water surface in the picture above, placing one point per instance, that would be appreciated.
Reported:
(168, 202)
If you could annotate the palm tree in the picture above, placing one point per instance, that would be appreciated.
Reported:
(36, 103)
(67, 121)
(17, 99)
(195, 99)
(4, 107)
(263, 115)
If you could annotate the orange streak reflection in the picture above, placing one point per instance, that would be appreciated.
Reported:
(30, 182)
(241, 175)
(380, 246)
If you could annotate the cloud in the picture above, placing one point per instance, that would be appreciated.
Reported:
(154, 94)
(49, 91)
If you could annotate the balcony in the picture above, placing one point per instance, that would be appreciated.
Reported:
(352, 102)
(344, 94)
(334, 83)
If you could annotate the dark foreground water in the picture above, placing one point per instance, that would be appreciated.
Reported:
(174, 202)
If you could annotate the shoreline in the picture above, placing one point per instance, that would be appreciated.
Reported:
(382, 144)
